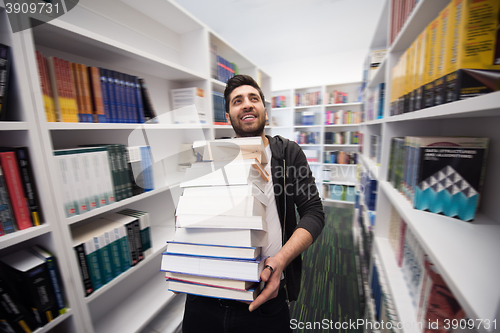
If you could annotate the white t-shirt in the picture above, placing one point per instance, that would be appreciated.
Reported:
(272, 217)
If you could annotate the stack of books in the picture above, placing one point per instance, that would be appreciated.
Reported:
(220, 222)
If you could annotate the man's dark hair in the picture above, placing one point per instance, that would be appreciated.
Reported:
(237, 81)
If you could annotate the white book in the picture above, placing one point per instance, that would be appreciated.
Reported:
(69, 202)
(107, 177)
(97, 175)
(221, 221)
(209, 291)
(228, 237)
(231, 149)
(88, 180)
(213, 205)
(210, 281)
(215, 251)
(234, 191)
(234, 269)
(238, 172)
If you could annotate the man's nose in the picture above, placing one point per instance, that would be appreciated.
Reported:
(246, 103)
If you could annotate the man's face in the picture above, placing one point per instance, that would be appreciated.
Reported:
(247, 113)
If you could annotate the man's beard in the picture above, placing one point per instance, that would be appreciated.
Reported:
(241, 133)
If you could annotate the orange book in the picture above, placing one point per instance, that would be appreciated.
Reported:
(96, 95)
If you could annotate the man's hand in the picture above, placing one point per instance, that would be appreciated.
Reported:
(272, 280)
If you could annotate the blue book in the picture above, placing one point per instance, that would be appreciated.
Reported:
(138, 100)
(105, 95)
(111, 96)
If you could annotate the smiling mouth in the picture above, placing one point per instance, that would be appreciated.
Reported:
(248, 117)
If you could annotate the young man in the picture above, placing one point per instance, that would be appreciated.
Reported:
(292, 186)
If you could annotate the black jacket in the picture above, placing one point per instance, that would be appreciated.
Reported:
(294, 186)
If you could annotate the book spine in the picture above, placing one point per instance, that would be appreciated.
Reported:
(138, 100)
(126, 254)
(6, 218)
(84, 269)
(69, 203)
(94, 264)
(88, 177)
(111, 96)
(14, 187)
(103, 81)
(126, 170)
(114, 252)
(132, 243)
(104, 256)
(29, 184)
(96, 97)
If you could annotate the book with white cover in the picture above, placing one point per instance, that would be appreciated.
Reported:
(233, 191)
(238, 172)
(234, 269)
(231, 149)
(215, 251)
(221, 221)
(227, 237)
(211, 281)
(212, 205)
(209, 291)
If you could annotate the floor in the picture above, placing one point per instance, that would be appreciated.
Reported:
(329, 283)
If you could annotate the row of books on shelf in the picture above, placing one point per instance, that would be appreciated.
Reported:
(339, 192)
(19, 200)
(400, 11)
(442, 175)
(342, 117)
(96, 176)
(312, 155)
(219, 108)
(342, 138)
(278, 101)
(336, 97)
(218, 253)
(306, 137)
(444, 63)
(374, 107)
(340, 157)
(307, 118)
(308, 98)
(110, 245)
(431, 297)
(74, 92)
(30, 289)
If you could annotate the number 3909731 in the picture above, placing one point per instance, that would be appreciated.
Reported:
(25, 8)
(469, 323)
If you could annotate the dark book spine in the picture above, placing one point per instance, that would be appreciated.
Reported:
(138, 240)
(132, 243)
(14, 313)
(28, 183)
(84, 269)
(105, 95)
(138, 100)
(6, 218)
(5, 64)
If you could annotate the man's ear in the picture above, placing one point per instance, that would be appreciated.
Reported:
(228, 118)
(265, 110)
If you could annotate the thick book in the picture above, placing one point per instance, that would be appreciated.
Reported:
(221, 221)
(448, 174)
(236, 172)
(213, 205)
(147, 103)
(210, 281)
(214, 251)
(209, 291)
(7, 223)
(225, 237)
(145, 226)
(133, 228)
(234, 191)
(48, 100)
(5, 66)
(96, 96)
(30, 276)
(230, 149)
(10, 168)
(55, 277)
(234, 269)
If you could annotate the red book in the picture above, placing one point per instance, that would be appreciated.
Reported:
(12, 177)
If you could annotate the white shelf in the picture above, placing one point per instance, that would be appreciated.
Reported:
(218, 83)
(373, 122)
(310, 145)
(337, 164)
(372, 167)
(53, 324)
(482, 106)
(308, 106)
(344, 104)
(282, 109)
(396, 284)
(341, 146)
(307, 126)
(13, 126)
(143, 304)
(339, 182)
(341, 125)
(465, 253)
(23, 235)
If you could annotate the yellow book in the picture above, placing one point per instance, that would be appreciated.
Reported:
(441, 50)
(420, 72)
(472, 66)
(393, 90)
(415, 51)
(430, 62)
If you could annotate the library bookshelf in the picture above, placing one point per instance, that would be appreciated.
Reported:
(162, 43)
(287, 121)
(464, 253)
